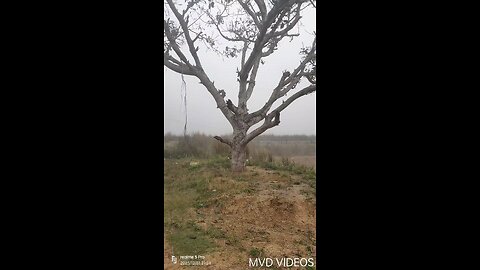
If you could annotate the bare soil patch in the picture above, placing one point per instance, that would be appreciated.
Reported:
(268, 211)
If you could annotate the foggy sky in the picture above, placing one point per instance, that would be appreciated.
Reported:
(203, 115)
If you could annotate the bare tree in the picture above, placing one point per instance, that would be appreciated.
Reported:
(255, 27)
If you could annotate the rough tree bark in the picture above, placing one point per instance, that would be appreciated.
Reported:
(239, 154)
(263, 25)
(239, 157)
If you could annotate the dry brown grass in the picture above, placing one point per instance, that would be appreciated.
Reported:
(200, 145)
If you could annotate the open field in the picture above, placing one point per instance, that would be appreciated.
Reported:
(299, 149)
(307, 161)
(266, 211)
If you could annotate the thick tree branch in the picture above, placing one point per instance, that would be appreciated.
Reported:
(232, 107)
(292, 84)
(250, 12)
(312, 76)
(270, 121)
(271, 48)
(253, 76)
(244, 52)
(287, 79)
(186, 33)
(257, 53)
(260, 41)
(174, 45)
(257, 116)
(309, 57)
(227, 142)
(277, 23)
(217, 96)
(305, 91)
(250, 66)
(262, 7)
(273, 118)
(179, 68)
(172, 59)
(290, 24)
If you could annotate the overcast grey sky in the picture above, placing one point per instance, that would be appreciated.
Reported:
(203, 115)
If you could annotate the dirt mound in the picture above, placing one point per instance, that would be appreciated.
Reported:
(278, 220)
(275, 218)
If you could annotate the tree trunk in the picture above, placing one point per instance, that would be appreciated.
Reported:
(239, 151)
(239, 158)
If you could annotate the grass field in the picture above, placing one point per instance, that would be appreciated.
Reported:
(267, 211)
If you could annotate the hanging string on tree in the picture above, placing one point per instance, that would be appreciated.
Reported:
(183, 92)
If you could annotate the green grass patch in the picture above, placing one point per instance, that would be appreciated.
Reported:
(215, 233)
(256, 252)
(189, 239)
(286, 166)
(218, 162)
